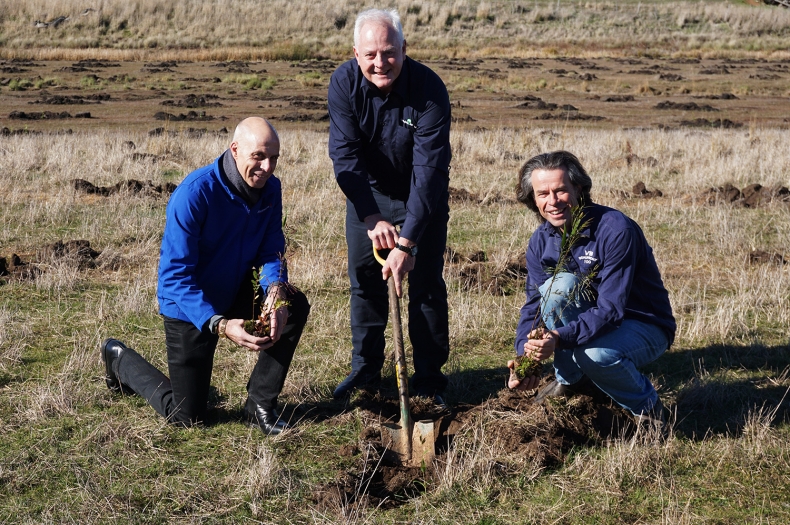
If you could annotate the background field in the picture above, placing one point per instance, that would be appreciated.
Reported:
(70, 451)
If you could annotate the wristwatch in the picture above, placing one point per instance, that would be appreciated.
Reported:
(411, 251)
(223, 323)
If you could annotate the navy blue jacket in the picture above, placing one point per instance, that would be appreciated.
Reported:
(212, 239)
(399, 143)
(627, 286)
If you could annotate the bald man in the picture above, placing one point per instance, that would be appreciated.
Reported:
(223, 221)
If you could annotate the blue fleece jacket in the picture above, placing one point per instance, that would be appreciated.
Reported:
(628, 284)
(212, 239)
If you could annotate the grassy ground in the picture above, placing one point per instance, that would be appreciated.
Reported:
(72, 451)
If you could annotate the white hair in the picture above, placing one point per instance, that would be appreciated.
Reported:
(388, 17)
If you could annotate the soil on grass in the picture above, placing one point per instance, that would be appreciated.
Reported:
(76, 254)
(513, 425)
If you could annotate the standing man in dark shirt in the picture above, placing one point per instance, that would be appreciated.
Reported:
(622, 322)
(389, 140)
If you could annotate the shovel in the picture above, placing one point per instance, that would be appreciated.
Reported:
(412, 442)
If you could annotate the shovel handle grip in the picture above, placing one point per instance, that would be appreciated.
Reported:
(377, 256)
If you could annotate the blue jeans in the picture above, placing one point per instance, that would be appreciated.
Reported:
(610, 360)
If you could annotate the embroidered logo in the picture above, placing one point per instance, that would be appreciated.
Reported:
(588, 257)
(408, 123)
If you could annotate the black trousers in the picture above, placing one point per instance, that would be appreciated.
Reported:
(183, 397)
(428, 317)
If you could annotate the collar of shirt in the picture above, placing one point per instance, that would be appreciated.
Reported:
(401, 86)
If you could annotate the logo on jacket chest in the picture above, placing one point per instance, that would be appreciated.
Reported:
(588, 257)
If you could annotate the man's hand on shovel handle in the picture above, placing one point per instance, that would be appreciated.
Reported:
(383, 234)
(399, 263)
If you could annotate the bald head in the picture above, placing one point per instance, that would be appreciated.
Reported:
(255, 148)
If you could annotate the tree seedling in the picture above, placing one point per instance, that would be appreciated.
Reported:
(261, 326)
(525, 365)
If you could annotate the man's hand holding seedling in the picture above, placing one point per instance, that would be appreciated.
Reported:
(276, 303)
(234, 330)
(525, 371)
(542, 348)
(384, 236)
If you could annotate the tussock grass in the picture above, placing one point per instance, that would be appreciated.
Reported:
(236, 29)
(71, 451)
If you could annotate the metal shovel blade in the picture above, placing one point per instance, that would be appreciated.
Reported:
(419, 451)
(423, 443)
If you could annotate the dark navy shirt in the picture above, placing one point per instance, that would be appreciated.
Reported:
(627, 285)
(398, 143)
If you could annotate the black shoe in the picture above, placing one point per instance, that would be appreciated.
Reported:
(354, 380)
(584, 386)
(267, 419)
(441, 404)
(111, 349)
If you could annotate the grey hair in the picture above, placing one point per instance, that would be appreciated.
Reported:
(389, 17)
(552, 161)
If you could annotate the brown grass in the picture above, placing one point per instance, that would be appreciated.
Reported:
(159, 30)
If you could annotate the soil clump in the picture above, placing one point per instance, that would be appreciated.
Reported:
(512, 424)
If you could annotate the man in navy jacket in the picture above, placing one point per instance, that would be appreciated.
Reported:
(223, 221)
(606, 311)
(389, 143)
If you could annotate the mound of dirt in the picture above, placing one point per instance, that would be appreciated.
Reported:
(194, 101)
(640, 190)
(687, 106)
(191, 116)
(96, 63)
(76, 253)
(538, 104)
(133, 186)
(569, 115)
(723, 96)
(302, 117)
(763, 257)
(234, 66)
(715, 123)
(752, 196)
(619, 98)
(95, 98)
(45, 115)
(476, 274)
(512, 425)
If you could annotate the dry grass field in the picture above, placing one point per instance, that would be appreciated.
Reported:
(688, 98)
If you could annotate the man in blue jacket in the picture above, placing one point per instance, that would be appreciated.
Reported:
(389, 140)
(606, 311)
(223, 221)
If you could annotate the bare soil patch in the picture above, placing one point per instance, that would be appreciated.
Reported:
(605, 92)
(76, 254)
(542, 435)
